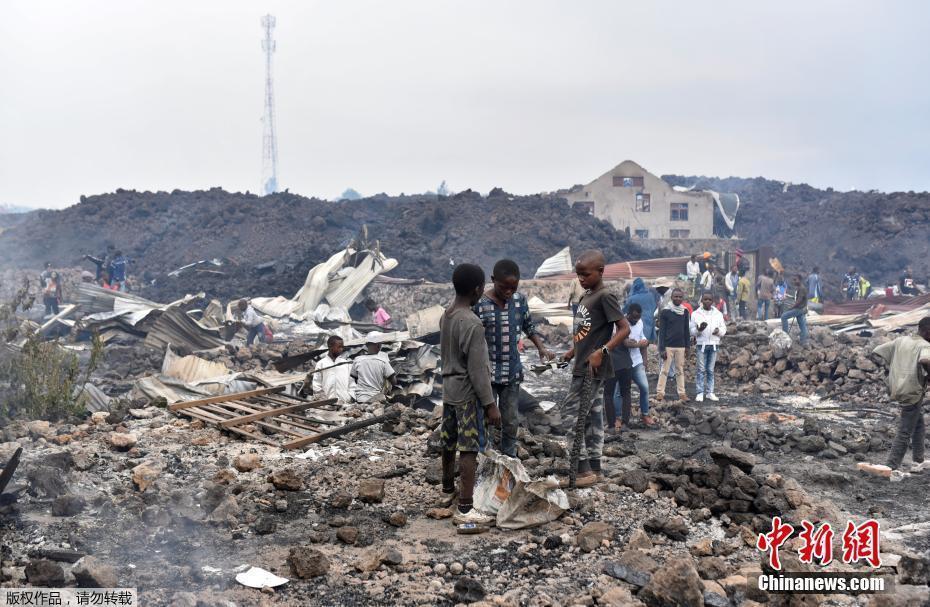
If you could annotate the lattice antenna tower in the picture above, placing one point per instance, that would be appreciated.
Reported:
(269, 141)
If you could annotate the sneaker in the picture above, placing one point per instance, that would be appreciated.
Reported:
(446, 499)
(473, 516)
(649, 420)
(712, 397)
(918, 467)
(699, 398)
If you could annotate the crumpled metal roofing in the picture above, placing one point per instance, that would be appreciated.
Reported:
(560, 263)
(339, 285)
(897, 303)
(176, 328)
(191, 369)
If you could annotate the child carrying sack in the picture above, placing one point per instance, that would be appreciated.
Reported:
(503, 488)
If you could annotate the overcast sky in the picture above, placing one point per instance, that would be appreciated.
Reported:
(397, 96)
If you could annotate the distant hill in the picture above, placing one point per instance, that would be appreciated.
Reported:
(879, 233)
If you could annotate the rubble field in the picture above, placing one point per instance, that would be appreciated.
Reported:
(138, 495)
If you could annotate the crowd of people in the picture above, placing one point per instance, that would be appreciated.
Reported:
(609, 353)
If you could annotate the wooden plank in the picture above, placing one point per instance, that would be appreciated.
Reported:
(203, 415)
(257, 423)
(301, 442)
(222, 398)
(64, 312)
(257, 437)
(273, 412)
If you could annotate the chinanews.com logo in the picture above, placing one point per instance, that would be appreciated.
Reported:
(860, 546)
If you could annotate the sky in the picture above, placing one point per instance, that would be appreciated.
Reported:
(529, 95)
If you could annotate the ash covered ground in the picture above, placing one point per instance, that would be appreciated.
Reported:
(147, 498)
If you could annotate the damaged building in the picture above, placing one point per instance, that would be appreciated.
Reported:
(634, 200)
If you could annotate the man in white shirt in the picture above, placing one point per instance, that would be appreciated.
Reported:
(731, 281)
(693, 270)
(331, 373)
(708, 280)
(251, 320)
(371, 371)
(707, 327)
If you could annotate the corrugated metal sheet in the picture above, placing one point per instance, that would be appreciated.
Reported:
(898, 303)
(191, 369)
(560, 263)
(342, 295)
(174, 327)
(644, 268)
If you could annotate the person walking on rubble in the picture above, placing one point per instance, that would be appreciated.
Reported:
(379, 315)
(743, 289)
(674, 343)
(850, 286)
(646, 300)
(709, 280)
(629, 361)
(599, 314)
(907, 360)
(765, 291)
(372, 371)
(693, 271)
(51, 293)
(331, 376)
(781, 292)
(102, 265)
(117, 271)
(505, 314)
(731, 283)
(907, 286)
(814, 286)
(46, 274)
(468, 404)
(798, 311)
(246, 315)
(707, 326)
(574, 295)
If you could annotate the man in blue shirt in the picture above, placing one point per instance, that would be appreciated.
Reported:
(505, 314)
(118, 272)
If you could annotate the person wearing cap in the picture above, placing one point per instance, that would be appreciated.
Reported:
(372, 371)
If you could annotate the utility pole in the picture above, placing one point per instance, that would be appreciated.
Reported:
(269, 142)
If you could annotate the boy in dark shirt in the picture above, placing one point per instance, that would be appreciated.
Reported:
(598, 313)
(674, 342)
(467, 399)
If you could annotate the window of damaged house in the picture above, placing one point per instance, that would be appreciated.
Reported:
(642, 234)
(679, 211)
(628, 182)
(643, 202)
(679, 233)
(586, 206)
